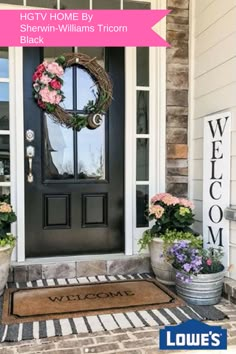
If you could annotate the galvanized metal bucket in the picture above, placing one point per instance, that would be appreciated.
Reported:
(204, 289)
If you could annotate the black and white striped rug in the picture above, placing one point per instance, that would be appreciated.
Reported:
(99, 323)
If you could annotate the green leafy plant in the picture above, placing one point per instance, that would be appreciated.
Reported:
(8, 240)
(170, 237)
(145, 240)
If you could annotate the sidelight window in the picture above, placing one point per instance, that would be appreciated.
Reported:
(4, 123)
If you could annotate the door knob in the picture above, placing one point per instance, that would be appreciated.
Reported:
(30, 151)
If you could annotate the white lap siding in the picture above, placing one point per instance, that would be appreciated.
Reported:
(212, 89)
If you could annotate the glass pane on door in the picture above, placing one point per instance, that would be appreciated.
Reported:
(58, 151)
(74, 4)
(67, 78)
(91, 153)
(106, 4)
(51, 4)
(87, 90)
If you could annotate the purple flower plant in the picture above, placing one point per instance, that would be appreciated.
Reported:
(185, 259)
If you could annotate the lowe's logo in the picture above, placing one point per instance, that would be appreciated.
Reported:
(193, 334)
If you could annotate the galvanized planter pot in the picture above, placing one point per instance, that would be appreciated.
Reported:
(204, 289)
(163, 271)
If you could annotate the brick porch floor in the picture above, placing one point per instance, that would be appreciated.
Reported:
(133, 341)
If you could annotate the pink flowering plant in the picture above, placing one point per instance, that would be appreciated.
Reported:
(170, 212)
(7, 216)
(173, 217)
(190, 261)
(47, 84)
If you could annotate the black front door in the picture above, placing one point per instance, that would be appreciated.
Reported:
(75, 203)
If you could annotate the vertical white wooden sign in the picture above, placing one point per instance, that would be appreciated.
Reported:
(216, 181)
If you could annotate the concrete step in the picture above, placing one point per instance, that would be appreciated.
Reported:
(52, 269)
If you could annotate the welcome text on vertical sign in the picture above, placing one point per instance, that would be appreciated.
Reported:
(216, 181)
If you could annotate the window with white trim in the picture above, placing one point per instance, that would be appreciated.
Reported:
(4, 123)
(142, 135)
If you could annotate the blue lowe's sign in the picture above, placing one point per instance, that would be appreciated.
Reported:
(193, 334)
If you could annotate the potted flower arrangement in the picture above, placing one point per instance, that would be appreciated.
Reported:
(199, 273)
(173, 217)
(7, 241)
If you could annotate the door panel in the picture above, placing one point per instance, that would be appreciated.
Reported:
(75, 204)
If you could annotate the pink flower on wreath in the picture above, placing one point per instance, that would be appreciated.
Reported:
(41, 104)
(157, 210)
(186, 203)
(55, 68)
(58, 99)
(50, 96)
(168, 199)
(37, 75)
(209, 262)
(40, 68)
(45, 64)
(36, 86)
(55, 84)
(45, 79)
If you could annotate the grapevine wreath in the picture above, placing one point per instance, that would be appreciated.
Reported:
(48, 91)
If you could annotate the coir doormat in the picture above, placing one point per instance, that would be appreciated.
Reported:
(25, 305)
(167, 310)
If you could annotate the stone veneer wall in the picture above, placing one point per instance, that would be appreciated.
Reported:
(177, 97)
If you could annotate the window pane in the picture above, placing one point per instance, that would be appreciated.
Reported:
(51, 4)
(142, 66)
(58, 151)
(87, 91)
(91, 153)
(4, 158)
(95, 52)
(4, 106)
(5, 194)
(13, 2)
(142, 112)
(74, 4)
(68, 89)
(106, 4)
(4, 92)
(141, 205)
(142, 159)
(4, 69)
(50, 53)
(136, 5)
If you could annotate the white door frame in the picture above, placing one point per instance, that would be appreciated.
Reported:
(157, 152)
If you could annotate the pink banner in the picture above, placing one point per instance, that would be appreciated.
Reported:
(87, 28)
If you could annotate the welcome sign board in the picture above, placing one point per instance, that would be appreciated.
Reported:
(216, 181)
